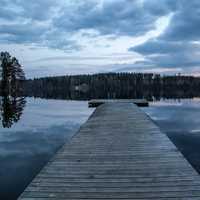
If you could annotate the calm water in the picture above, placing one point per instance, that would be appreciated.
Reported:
(180, 120)
(39, 127)
(42, 128)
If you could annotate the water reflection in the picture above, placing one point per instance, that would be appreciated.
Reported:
(43, 128)
(180, 120)
(11, 109)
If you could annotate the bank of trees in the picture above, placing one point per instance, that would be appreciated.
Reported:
(113, 85)
(12, 74)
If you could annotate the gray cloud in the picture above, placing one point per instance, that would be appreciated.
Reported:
(157, 46)
(160, 53)
(32, 9)
(54, 21)
(161, 7)
(37, 9)
(185, 23)
(178, 46)
(120, 17)
(20, 33)
(30, 22)
(7, 14)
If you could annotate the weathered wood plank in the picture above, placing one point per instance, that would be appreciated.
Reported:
(119, 153)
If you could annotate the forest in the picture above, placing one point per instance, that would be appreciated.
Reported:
(113, 85)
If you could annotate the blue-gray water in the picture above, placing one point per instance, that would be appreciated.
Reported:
(42, 126)
(180, 120)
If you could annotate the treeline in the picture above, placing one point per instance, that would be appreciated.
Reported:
(114, 85)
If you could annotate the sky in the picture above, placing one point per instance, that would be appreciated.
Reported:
(60, 37)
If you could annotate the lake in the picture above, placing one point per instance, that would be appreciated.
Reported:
(32, 130)
(44, 126)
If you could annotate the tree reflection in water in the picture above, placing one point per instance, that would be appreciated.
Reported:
(11, 109)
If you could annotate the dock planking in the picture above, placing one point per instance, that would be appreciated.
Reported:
(119, 153)
(98, 102)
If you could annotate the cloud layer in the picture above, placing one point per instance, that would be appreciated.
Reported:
(178, 47)
(54, 23)
(95, 28)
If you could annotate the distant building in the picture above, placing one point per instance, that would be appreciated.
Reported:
(82, 88)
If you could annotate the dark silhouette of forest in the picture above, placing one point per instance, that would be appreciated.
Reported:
(11, 86)
(114, 85)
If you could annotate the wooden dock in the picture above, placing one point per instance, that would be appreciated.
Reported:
(98, 102)
(119, 153)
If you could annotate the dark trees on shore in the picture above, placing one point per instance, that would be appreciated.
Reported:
(12, 74)
(114, 85)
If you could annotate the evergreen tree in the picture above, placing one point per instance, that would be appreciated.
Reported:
(11, 74)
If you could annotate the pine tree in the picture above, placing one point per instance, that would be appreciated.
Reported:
(11, 72)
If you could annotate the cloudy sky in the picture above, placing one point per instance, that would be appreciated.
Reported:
(57, 37)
